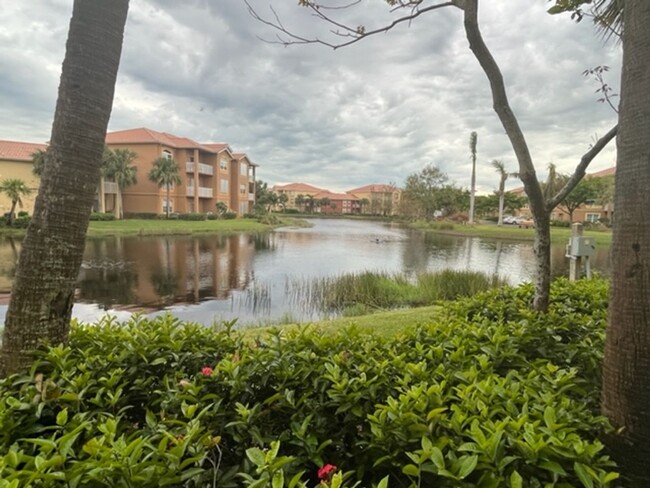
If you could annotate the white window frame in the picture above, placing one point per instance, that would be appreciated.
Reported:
(592, 217)
(223, 164)
(223, 184)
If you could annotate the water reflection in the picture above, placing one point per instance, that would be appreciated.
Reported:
(261, 277)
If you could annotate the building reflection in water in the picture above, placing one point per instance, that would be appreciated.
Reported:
(158, 272)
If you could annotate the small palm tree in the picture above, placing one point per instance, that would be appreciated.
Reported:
(165, 173)
(38, 159)
(473, 138)
(119, 168)
(222, 208)
(503, 176)
(15, 189)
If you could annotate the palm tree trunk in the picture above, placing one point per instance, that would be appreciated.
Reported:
(102, 195)
(502, 199)
(167, 202)
(118, 203)
(626, 369)
(43, 288)
(12, 212)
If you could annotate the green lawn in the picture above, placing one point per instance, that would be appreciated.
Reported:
(382, 323)
(558, 234)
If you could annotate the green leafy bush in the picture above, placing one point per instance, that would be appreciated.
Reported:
(142, 215)
(192, 216)
(23, 213)
(229, 215)
(560, 223)
(492, 395)
(102, 216)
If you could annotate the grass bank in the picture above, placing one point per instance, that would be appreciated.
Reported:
(146, 227)
(558, 234)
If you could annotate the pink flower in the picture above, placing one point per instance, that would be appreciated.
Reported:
(207, 371)
(326, 472)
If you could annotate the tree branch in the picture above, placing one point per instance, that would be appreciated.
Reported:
(579, 172)
(502, 107)
(355, 34)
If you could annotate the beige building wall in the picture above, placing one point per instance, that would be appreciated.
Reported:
(22, 170)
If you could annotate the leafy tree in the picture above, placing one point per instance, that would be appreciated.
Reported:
(422, 191)
(473, 139)
(406, 11)
(585, 191)
(309, 203)
(606, 14)
(43, 289)
(626, 375)
(15, 189)
(120, 170)
(283, 198)
(165, 173)
(364, 202)
(265, 199)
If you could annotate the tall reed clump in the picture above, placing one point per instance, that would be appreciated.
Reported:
(377, 290)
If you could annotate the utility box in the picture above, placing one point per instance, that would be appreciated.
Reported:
(582, 246)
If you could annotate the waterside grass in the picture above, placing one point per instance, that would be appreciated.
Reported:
(558, 234)
(360, 293)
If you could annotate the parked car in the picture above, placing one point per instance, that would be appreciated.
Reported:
(526, 223)
(509, 219)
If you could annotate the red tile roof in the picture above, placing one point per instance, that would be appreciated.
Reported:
(218, 147)
(604, 172)
(143, 135)
(298, 187)
(19, 151)
(374, 188)
(335, 196)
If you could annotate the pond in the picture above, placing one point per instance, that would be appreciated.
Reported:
(258, 278)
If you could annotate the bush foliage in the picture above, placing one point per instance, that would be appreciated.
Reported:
(492, 395)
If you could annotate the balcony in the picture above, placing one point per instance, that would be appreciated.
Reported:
(251, 197)
(110, 187)
(205, 169)
(203, 192)
(189, 167)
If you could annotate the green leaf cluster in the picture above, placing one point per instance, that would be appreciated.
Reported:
(491, 395)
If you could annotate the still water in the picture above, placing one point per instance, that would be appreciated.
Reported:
(258, 278)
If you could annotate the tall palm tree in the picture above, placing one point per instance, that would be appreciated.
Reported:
(473, 139)
(15, 189)
(120, 170)
(165, 173)
(503, 176)
(43, 289)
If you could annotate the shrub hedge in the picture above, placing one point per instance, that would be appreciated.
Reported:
(491, 395)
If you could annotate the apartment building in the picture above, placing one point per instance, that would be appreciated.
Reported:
(16, 162)
(292, 190)
(328, 202)
(589, 212)
(379, 199)
(210, 173)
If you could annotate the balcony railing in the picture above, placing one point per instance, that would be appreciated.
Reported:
(206, 169)
(251, 197)
(203, 192)
(110, 187)
(189, 167)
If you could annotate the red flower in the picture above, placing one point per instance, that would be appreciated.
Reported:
(207, 371)
(326, 472)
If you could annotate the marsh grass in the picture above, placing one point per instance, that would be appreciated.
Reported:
(361, 293)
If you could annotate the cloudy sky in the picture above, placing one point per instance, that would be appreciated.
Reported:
(373, 112)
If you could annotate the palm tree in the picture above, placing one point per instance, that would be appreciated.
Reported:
(14, 188)
(43, 290)
(120, 170)
(364, 202)
(38, 160)
(300, 201)
(165, 172)
(503, 176)
(473, 139)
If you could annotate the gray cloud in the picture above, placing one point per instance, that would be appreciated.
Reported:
(373, 112)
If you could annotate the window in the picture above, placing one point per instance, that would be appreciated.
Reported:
(242, 189)
(223, 186)
(592, 217)
(243, 208)
(243, 169)
(223, 164)
(167, 203)
(167, 154)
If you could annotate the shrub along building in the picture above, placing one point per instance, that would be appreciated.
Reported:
(209, 173)
(16, 163)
